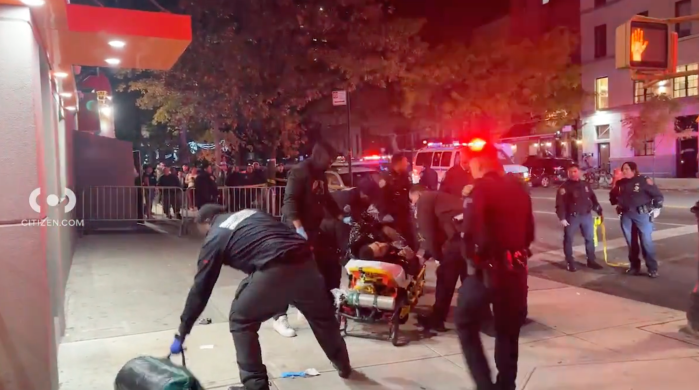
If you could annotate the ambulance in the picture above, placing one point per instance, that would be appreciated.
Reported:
(442, 156)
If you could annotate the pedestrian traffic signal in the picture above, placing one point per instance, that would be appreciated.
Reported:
(647, 44)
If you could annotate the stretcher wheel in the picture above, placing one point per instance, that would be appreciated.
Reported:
(342, 321)
(394, 330)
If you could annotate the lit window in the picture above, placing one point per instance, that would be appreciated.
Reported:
(686, 85)
(602, 132)
(602, 93)
(646, 149)
(640, 93)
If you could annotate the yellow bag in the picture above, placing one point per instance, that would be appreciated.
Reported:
(598, 223)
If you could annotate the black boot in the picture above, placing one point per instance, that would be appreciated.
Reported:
(592, 264)
(633, 271)
(343, 371)
(571, 267)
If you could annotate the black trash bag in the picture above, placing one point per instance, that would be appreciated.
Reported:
(151, 373)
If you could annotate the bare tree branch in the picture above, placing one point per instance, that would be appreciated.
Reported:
(158, 6)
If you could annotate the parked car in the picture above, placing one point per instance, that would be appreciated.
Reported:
(546, 171)
(339, 178)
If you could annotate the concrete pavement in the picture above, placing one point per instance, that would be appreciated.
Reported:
(126, 292)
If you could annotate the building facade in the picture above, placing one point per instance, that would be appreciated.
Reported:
(617, 96)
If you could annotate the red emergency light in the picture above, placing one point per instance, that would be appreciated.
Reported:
(476, 144)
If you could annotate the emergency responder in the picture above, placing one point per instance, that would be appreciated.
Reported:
(429, 179)
(306, 202)
(435, 220)
(281, 271)
(639, 201)
(458, 176)
(575, 202)
(394, 203)
(498, 230)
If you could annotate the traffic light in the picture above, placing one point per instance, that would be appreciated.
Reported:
(646, 44)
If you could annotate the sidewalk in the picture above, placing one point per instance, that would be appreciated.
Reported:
(126, 292)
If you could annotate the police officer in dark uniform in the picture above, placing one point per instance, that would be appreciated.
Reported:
(575, 202)
(457, 177)
(639, 201)
(435, 219)
(394, 203)
(429, 179)
(498, 230)
(281, 271)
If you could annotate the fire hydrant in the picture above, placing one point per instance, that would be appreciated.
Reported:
(693, 311)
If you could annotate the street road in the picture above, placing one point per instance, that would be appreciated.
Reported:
(676, 245)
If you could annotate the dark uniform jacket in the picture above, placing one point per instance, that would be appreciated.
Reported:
(576, 198)
(247, 241)
(498, 218)
(205, 189)
(435, 220)
(429, 179)
(394, 196)
(455, 180)
(307, 197)
(634, 193)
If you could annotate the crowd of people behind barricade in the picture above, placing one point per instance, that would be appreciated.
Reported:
(187, 188)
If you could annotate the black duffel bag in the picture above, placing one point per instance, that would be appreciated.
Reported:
(151, 373)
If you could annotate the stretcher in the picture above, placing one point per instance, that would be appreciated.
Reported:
(378, 292)
(599, 225)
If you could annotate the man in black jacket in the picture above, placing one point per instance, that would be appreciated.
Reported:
(306, 202)
(281, 271)
(171, 193)
(394, 201)
(457, 177)
(435, 220)
(205, 188)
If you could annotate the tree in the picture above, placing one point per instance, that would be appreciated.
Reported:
(495, 85)
(655, 118)
(254, 65)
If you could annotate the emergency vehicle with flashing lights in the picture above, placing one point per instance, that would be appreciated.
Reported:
(441, 156)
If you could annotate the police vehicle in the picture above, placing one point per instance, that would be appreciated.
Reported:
(442, 156)
(339, 178)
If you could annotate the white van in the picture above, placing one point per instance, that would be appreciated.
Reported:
(440, 157)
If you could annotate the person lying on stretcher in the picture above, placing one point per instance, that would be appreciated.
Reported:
(372, 240)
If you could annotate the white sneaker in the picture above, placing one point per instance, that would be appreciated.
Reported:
(281, 325)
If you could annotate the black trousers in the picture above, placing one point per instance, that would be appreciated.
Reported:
(507, 291)
(268, 291)
(327, 262)
(451, 268)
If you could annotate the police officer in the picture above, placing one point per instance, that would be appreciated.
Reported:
(429, 179)
(575, 202)
(639, 201)
(281, 271)
(498, 230)
(458, 176)
(394, 203)
(435, 219)
(307, 201)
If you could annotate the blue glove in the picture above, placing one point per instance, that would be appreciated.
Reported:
(302, 232)
(347, 220)
(176, 346)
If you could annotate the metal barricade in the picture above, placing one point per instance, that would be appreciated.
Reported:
(267, 199)
(119, 207)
